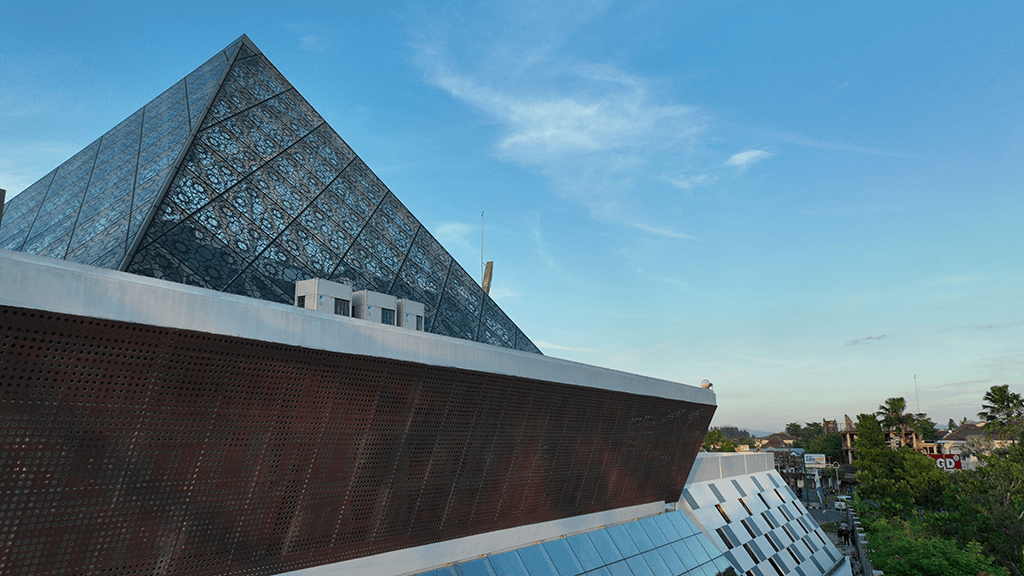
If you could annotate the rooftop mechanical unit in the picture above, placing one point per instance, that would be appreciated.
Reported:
(324, 296)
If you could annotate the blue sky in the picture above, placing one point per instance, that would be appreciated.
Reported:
(806, 203)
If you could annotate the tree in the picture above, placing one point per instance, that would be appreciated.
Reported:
(986, 505)
(951, 425)
(869, 432)
(904, 548)
(794, 429)
(715, 441)
(1003, 413)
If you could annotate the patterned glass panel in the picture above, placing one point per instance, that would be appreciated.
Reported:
(495, 327)
(331, 147)
(229, 146)
(21, 211)
(57, 249)
(117, 208)
(210, 167)
(112, 236)
(303, 245)
(374, 241)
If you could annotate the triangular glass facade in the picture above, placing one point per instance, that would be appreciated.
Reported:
(92, 206)
(265, 194)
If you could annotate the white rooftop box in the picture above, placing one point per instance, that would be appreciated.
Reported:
(374, 306)
(324, 296)
(410, 314)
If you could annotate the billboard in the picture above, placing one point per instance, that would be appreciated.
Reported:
(815, 461)
(948, 462)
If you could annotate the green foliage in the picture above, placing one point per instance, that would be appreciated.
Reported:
(1004, 412)
(906, 549)
(869, 433)
(923, 520)
(813, 439)
(986, 506)
(715, 441)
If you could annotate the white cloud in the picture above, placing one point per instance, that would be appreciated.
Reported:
(601, 136)
(550, 346)
(747, 158)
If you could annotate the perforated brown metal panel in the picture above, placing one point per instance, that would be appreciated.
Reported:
(128, 449)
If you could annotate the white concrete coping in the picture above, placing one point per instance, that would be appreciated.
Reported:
(30, 281)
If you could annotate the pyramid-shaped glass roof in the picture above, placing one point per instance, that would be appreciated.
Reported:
(231, 181)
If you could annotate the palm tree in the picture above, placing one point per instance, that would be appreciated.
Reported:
(895, 418)
(1004, 412)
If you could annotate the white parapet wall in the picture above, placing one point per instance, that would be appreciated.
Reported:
(39, 283)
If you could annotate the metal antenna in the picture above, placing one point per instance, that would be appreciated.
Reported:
(918, 394)
(481, 247)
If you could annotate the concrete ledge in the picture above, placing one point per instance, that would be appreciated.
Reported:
(421, 558)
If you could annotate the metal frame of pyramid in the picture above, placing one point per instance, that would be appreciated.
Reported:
(231, 181)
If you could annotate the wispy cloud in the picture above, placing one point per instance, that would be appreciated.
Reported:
(666, 232)
(684, 182)
(865, 340)
(747, 158)
(603, 137)
(801, 140)
(311, 43)
(550, 346)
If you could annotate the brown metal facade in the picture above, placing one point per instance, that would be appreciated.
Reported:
(136, 450)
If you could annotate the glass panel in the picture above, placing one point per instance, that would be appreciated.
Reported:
(300, 242)
(537, 561)
(205, 164)
(241, 158)
(274, 187)
(650, 527)
(671, 559)
(49, 235)
(57, 249)
(639, 536)
(479, 567)
(331, 147)
(110, 238)
(639, 566)
(622, 540)
(189, 192)
(683, 551)
(161, 162)
(605, 546)
(620, 569)
(585, 551)
(243, 127)
(280, 273)
(563, 558)
(699, 553)
(317, 221)
(275, 128)
(667, 528)
(656, 563)
(426, 287)
(681, 523)
(84, 231)
(28, 201)
(242, 76)
(290, 165)
(233, 229)
(251, 202)
(389, 255)
(391, 232)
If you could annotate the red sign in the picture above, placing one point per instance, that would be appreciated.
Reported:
(947, 461)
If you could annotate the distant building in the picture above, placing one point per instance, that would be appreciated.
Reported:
(893, 438)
